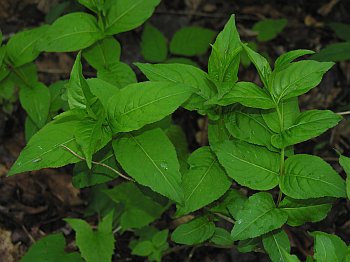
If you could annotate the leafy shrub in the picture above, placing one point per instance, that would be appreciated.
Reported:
(113, 127)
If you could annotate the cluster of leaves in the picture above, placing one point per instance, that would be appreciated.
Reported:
(186, 42)
(114, 127)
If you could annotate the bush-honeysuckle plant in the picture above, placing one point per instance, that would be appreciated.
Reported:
(124, 131)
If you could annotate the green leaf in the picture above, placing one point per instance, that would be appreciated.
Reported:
(93, 5)
(139, 209)
(224, 59)
(71, 32)
(328, 247)
(85, 177)
(345, 163)
(205, 181)
(160, 167)
(102, 90)
(91, 135)
(25, 75)
(103, 53)
(191, 41)
(341, 30)
(144, 248)
(125, 15)
(285, 59)
(143, 103)
(258, 216)
(289, 111)
(153, 44)
(186, 74)
(302, 211)
(308, 125)
(194, 232)
(334, 52)
(94, 245)
(249, 165)
(230, 204)
(118, 74)
(247, 94)
(78, 92)
(249, 245)
(45, 148)
(298, 78)
(217, 131)
(221, 237)
(288, 257)
(57, 90)
(308, 176)
(50, 248)
(178, 138)
(30, 128)
(181, 60)
(274, 243)
(20, 49)
(260, 63)
(268, 29)
(249, 126)
(36, 101)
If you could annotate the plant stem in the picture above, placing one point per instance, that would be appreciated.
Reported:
(98, 163)
(282, 154)
(228, 219)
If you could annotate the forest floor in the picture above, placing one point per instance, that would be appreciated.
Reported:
(32, 205)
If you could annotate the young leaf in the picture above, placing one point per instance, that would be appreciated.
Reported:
(125, 15)
(78, 92)
(143, 103)
(191, 41)
(298, 78)
(328, 247)
(230, 204)
(160, 167)
(274, 243)
(309, 124)
(249, 165)
(50, 248)
(249, 126)
(258, 216)
(118, 74)
(308, 176)
(93, 5)
(261, 64)
(45, 149)
(334, 52)
(144, 248)
(20, 49)
(288, 113)
(71, 32)
(139, 209)
(268, 29)
(36, 101)
(249, 95)
(308, 210)
(57, 89)
(224, 59)
(103, 53)
(102, 90)
(91, 135)
(193, 77)
(284, 60)
(221, 237)
(153, 44)
(205, 182)
(345, 163)
(194, 232)
(94, 245)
